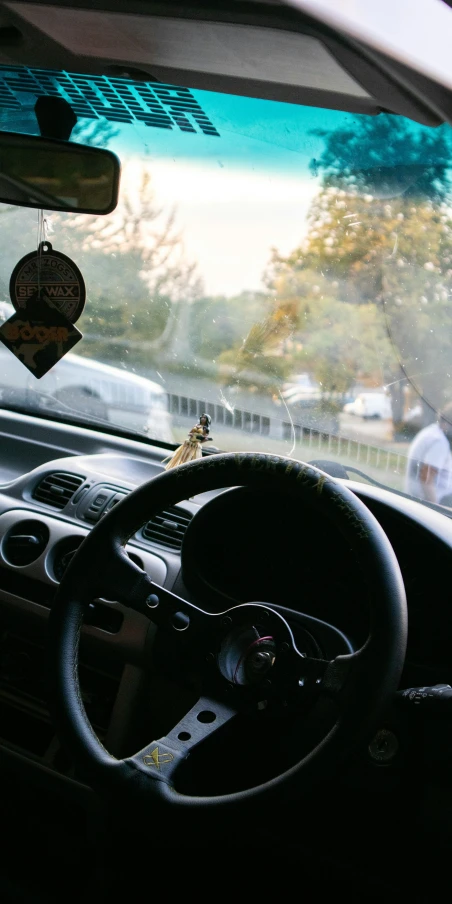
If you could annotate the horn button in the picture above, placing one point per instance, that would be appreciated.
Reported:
(247, 656)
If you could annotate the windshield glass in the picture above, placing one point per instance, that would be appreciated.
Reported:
(285, 269)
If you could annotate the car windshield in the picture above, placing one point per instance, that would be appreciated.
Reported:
(283, 268)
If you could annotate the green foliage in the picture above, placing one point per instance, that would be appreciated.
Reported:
(219, 323)
(342, 343)
(373, 276)
(387, 157)
(95, 132)
(134, 269)
(257, 360)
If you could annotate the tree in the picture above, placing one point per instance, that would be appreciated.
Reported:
(96, 132)
(219, 323)
(135, 271)
(386, 156)
(257, 360)
(335, 340)
(380, 233)
(134, 266)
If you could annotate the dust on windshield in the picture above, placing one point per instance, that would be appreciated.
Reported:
(287, 270)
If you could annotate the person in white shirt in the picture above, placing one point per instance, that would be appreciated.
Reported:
(429, 467)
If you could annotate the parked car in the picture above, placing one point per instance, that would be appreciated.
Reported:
(370, 405)
(300, 388)
(92, 387)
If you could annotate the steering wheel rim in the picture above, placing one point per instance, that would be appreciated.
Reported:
(360, 683)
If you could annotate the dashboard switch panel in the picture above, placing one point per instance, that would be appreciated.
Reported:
(99, 500)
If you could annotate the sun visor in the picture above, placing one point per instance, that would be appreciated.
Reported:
(290, 61)
(274, 64)
(216, 48)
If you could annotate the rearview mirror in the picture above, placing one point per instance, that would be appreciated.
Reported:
(57, 175)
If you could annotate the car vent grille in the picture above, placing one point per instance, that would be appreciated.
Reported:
(57, 489)
(25, 542)
(168, 527)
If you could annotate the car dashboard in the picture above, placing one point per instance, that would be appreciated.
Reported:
(218, 549)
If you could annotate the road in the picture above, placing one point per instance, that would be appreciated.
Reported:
(375, 431)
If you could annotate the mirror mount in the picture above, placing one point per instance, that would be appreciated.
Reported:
(55, 116)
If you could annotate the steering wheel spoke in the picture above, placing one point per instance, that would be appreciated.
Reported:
(309, 669)
(341, 675)
(160, 758)
(123, 581)
(310, 677)
(128, 584)
(301, 676)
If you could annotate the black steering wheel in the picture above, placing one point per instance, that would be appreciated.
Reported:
(245, 655)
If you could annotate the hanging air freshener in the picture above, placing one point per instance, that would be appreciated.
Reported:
(48, 293)
(192, 447)
(39, 334)
(54, 275)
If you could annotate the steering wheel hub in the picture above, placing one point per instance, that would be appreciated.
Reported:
(247, 656)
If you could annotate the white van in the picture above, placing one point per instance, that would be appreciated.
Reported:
(104, 392)
(370, 405)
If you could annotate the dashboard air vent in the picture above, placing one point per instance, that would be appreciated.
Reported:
(25, 542)
(57, 489)
(168, 527)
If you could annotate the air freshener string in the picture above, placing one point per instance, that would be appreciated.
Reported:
(41, 240)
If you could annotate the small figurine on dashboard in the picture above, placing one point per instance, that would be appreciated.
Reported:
(203, 428)
(191, 448)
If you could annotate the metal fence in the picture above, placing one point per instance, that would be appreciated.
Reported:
(351, 449)
(238, 419)
(361, 453)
